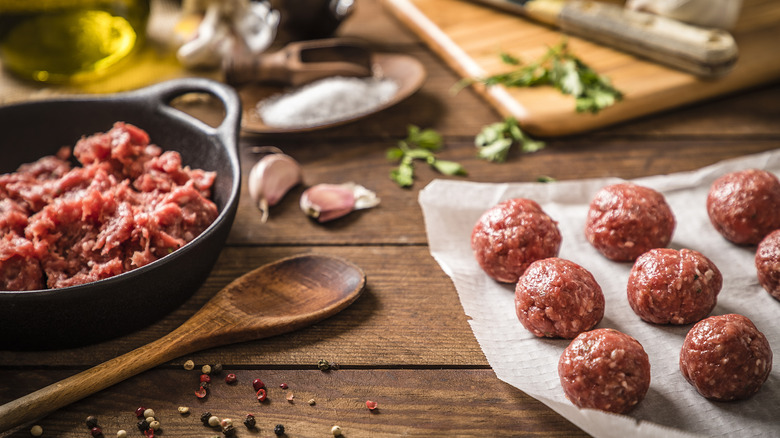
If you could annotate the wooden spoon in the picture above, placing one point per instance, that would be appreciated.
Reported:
(276, 298)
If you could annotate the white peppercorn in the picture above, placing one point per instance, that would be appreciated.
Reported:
(121, 433)
(36, 430)
(336, 430)
(189, 365)
(213, 421)
(206, 369)
(149, 413)
(184, 410)
(154, 424)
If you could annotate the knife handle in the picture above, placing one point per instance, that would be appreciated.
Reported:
(705, 52)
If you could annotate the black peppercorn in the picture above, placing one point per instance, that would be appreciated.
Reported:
(143, 425)
(204, 418)
(216, 369)
(229, 430)
(279, 429)
(92, 421)
(250, 421)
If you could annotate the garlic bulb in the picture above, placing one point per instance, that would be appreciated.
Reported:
(271, 178)
(720, 14)
(326, 202)
(252, 25)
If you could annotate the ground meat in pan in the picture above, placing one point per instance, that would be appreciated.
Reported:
(128, 205)
(743, 206)
(726, 357)
(768, 263)
(625, 220)
(605, 369)
(558, 298)
(512, 235)
(667, 286)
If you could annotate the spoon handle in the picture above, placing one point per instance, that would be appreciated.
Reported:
(97, 378)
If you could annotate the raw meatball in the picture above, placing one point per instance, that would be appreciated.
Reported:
(726, 357)
(743, 205)
(768, 263)
(667, 286)
(558, 298)
(626, 220)
(605, 369)
(512, 235)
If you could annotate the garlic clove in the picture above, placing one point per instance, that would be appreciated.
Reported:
(271, 178)
(326, 202)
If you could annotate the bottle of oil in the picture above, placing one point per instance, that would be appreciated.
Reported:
(69, 40)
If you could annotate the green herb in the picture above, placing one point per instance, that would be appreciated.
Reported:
(561, 69)
(495, 140)
(545, 179)
(419, 145)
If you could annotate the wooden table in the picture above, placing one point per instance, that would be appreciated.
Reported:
(406, 342)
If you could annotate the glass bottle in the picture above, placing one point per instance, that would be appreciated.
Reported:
(69, 40)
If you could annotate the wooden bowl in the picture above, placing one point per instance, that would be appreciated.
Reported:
(78, 315)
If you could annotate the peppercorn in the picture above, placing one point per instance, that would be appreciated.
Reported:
(311, 402)
(216, 369)
(250, 421)
(36, 430)
(230, 378)
(91, 421)
(201, 392)
(336, 430)
(96, 431)
(214, 421)
(283, 386)
(279, 429)
(205, 369)
(148, 413)
(229, 430)
(371, 405)
(257, 384)
(189, 365)
(154, 425)
(323, 365)
(143, 425)
(121, 433)
(139, 412)
(184, 410)
(205, 378)
(204, 417)
(261, 395)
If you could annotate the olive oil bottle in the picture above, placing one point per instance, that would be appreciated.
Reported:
(69, 40)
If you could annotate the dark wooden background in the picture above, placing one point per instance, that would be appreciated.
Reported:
(406, 342)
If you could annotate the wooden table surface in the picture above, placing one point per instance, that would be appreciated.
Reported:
(405, 343)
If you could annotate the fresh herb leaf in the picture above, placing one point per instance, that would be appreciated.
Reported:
(495, 140)
(561, 69)
(419, 145)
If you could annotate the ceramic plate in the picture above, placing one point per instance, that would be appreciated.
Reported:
(405, 70)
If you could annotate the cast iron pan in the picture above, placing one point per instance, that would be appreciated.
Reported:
(79, 315)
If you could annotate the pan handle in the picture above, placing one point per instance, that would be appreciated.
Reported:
(160, 96)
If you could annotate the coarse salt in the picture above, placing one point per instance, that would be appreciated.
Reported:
(325, 101)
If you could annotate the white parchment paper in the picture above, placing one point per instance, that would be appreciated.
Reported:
(672, 407)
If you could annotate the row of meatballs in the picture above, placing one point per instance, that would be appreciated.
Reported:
(724, 357)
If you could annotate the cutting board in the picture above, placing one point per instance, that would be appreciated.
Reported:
(471, 37)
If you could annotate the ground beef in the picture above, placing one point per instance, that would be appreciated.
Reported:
(768, 263)
(625, 220)
(605, 369)
(743, 205)
(726, 357)
(667, 286)
(126, 206)
(512, 235)
(558, 298)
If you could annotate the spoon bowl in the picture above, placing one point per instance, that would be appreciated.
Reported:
(276, 298)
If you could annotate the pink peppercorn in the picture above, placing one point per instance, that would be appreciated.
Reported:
(371, 405)
(96, 431)
(230, 378)
(257, 384)
(283, 386)
(205, 378)
(261, 395)
(139, 412)
(201, 392)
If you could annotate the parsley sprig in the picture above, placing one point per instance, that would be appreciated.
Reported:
(495, 140)
(564, 71)
(419, 145)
